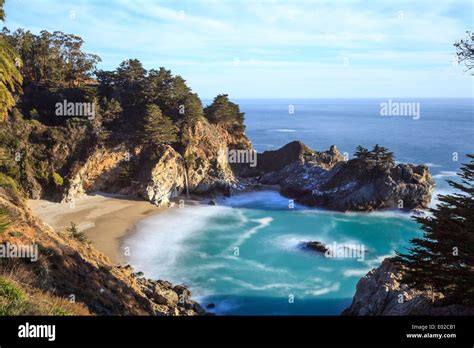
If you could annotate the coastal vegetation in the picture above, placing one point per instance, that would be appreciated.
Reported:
(379, 155)
(132, 105)
(443, 260)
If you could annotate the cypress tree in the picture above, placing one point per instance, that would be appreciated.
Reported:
(158, 129)
(361, 153)
(443, 260)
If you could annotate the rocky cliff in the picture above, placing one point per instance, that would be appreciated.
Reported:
(324, 179)
(380, 292)
(158, 173)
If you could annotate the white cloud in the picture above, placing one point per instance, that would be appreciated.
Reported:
(282, 46)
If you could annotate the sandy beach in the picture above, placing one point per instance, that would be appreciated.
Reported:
(104, 218)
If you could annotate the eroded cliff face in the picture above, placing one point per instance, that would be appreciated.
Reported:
(100, 171)
(206, 158)
(381, 292)
(159, 173)
(75, 271)
(165, 179)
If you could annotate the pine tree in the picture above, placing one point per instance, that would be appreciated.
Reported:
(382, 156)
(222, 111)
(443, 260)
(361, 153)
(76, 234)
(193, 110)
(158, 129)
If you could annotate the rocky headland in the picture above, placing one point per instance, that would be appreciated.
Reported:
(381, 292)
(326, 180)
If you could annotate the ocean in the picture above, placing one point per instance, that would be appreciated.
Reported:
(244, 256)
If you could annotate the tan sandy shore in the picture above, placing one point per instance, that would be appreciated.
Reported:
(105, 219)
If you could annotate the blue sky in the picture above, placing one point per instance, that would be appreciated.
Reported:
(273, 49)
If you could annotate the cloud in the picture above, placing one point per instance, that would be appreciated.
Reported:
(280, 46)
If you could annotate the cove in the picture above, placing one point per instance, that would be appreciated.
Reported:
(244, 254)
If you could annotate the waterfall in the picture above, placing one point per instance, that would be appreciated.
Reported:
(186, 179)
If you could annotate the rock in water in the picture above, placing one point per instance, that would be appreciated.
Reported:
(314, 246)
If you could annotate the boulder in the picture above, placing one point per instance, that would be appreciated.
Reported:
(314, 246)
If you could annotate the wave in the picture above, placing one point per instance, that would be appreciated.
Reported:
(246, 285)
(262, 223)
(378, 260)
(432, 165)
(291, 242)
(355, 272)
(445, 174)
(255, 264)
(159, 240)
(324, 290)
(283, 130)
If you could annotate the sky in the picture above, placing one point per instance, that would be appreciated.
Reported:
(273, 49)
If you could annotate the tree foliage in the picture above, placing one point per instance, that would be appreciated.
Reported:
(53, 60)
(443, 260)
(465, 50)
(158, 129)
(226, 113)
(10, 76)
(379, 155)
(2, 12)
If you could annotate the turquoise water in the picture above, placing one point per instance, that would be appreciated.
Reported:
(197, 246)
(244, 256)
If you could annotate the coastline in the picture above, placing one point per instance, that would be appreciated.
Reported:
(105, 219)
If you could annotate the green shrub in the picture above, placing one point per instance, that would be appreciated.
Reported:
(57, 179)
(12, 299)
(15, 301)
(10, 186)
(76, 234)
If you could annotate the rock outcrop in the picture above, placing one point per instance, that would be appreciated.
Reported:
(99, 172)
(161, 176)
(159, 173)
(325, 180)
(380, 292)
(314, 246)
(208, 169)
